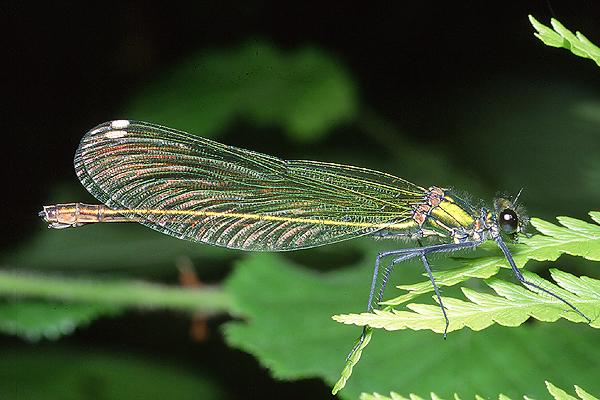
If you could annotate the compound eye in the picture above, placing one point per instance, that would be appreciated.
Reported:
(509, 222)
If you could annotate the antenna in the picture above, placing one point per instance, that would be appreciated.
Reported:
(514, 202)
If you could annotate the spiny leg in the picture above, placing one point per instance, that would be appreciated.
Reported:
(386, 275)
(525, 282)
(436, 289)
(437, 292)
(404, 255)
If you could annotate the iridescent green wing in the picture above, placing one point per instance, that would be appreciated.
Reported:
(200, 190)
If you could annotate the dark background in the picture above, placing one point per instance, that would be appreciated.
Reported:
(68, 67)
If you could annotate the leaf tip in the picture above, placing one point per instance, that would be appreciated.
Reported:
(533, 21)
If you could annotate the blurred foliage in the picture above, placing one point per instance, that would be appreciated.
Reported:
(305, 92)
(64, 373)
(559, 36)
(557, 394)
(34, 320)
(530, 135)
(108, 248)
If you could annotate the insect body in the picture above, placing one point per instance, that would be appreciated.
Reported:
(200, 190)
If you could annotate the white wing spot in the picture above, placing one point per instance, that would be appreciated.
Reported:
(115, 134)
(119, 124)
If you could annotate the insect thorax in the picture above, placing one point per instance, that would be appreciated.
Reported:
(444, 214)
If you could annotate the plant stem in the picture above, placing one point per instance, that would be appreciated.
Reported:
(209, 300)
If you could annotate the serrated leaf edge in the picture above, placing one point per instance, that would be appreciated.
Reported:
(556, 392)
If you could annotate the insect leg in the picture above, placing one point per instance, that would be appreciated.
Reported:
(437, 291)
(409, 253)
(525, 282)
(433, 249)
(404, 255)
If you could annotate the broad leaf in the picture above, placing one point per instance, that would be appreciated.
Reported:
(304, 91)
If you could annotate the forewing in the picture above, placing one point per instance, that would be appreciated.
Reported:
(205, 191)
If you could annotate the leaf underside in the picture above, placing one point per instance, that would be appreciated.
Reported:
(512, 305)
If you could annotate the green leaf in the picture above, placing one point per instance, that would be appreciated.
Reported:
(57, 372)
(304, 91)
(512, 306)
(575, 237)
(34, 320)
(286, 324)
(278, 298)
(353, 359)
(583, 394)
(557, 393)
(559, 36)
(392, 396)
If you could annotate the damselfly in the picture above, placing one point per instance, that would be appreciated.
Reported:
(200, 190)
